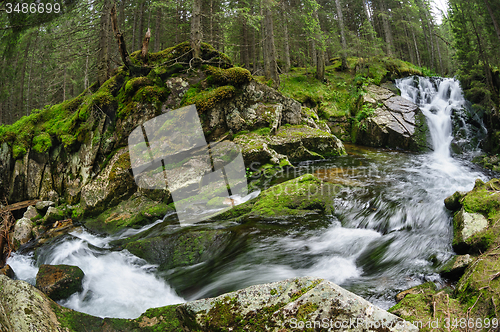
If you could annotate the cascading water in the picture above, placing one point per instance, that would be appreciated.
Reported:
(389, 231)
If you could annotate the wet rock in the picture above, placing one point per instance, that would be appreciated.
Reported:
(283, 304)
(465, 226)
(7, 271)
(299, 197)
(453, 202)
(31, 212)
(22, 232)
(111, 186)
(135, 212)
(391, 121)
(59, 281)
(42, 206)
(25, 308)
(455, 267)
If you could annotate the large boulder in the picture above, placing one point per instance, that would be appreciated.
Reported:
(299, 303)
(112, 185)
(25, 308)
(289, 144)
(59, 281)
(391, 121)
(466, 225)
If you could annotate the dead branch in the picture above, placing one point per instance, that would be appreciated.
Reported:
(145, 45)
(122, 48)
(7, 221)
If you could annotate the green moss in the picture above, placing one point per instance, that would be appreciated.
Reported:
(204, 100)
(484, 198)
(135, 84)
(42, 142)
(233, 76)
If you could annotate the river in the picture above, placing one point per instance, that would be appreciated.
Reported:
(389, 230)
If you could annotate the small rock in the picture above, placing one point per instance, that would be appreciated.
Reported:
(59, 281)
(456, 266)
(53, 196)
(7, 271)
(453, 202)
(53, 214)
(415, 290)
(31, 212)
(466, 225)
(22, 232)
(42, 206)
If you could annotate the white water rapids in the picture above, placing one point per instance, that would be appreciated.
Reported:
(389, 230)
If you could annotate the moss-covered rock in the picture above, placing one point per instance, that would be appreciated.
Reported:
(455, 267)
(453, 202)
(135, 212)
(59, 281)
(294, 143)
(294, 198)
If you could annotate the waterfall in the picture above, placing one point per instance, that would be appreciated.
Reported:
(441, 101)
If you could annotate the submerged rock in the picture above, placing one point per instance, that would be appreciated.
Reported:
(391, 121)
(59, 281)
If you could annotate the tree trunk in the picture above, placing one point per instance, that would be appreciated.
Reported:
(387, 29)
(320, 52)
(367, 13)
(270, 56)
(244, 56)
(122, 48)
(103, 65)
(439, 57)
(342, 34)
(416, 47)
(157, 31)
(23, 73)
(196, 34)
(121, 14)
(145, 46)
(495, 23)
(140, 29)
(286, 42)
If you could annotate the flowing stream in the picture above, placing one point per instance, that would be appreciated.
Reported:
(390, 230)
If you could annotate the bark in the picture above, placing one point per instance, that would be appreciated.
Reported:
(157, 31)
(121, 14)
(342, 34)
(320, 53)
(495, 23)
(416, 47)
(103, 66)
(387, 29)
(145, 46)
(270, 57)
(140, 29)
(286, 41)
(439, 57)
(244, 56)
(23, 73)
(196, 33)
(122, 48)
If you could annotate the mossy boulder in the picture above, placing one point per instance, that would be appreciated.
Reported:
(294, 198)
(59, 281)
(428, 308)
(134, 212)
(305, 303)
(453, 202)
(22, 232)
(184, 247)
(291, 143)
(466, 229)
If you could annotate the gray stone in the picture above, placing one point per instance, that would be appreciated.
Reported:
(22, 231)
(466, 225)
(281, 305)
(395, 123)
(456, 266)
(24, 308)
(7, 271)
(31, 212)
(44, 205)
